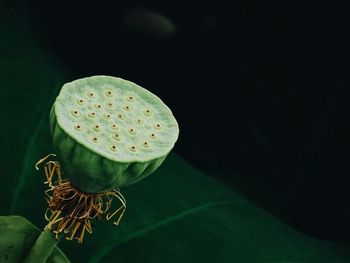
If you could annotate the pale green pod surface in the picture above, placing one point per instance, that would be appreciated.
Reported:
(109, 132)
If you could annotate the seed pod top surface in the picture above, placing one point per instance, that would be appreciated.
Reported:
(112, 120)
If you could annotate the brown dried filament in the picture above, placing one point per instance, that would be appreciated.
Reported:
(69, 210)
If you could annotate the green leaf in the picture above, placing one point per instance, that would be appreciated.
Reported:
(17, 237)
(177, 214)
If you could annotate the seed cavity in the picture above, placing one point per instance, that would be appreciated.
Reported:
(97, 106)
(107, 116)
(92, 115)
(80, 101)
(132, 131)
(139, 121)
(116, 136)
(114, 127)
(145, 144)
(113, 148)
(152, 136)
(75, 113)
(77, 127)
(121, 116)
(96, 128)
(157, 126)
(127, 108)
(132, 148)
(91, 95)
(109, 93)
(109, 104)
(94, 139)
(147, 112)
(130, 98)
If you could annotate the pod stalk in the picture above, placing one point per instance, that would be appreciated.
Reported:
(42, 248)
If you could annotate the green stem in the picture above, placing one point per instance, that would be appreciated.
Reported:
(42, 248)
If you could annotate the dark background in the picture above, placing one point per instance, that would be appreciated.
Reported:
(260, 90)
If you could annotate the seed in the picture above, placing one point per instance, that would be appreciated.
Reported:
(91, 95)
(109, 93)
(132, 148)
(132, 131)
(127, 108)
(147, 112)
(116, 136)
(92, 114)
(139, 121)
(107, 116)
(96, 127)
(121, 116)
(75, 113)
(113, 148)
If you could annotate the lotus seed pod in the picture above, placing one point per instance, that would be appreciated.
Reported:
(109, 132)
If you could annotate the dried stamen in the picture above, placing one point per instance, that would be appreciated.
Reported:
(70, 210)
